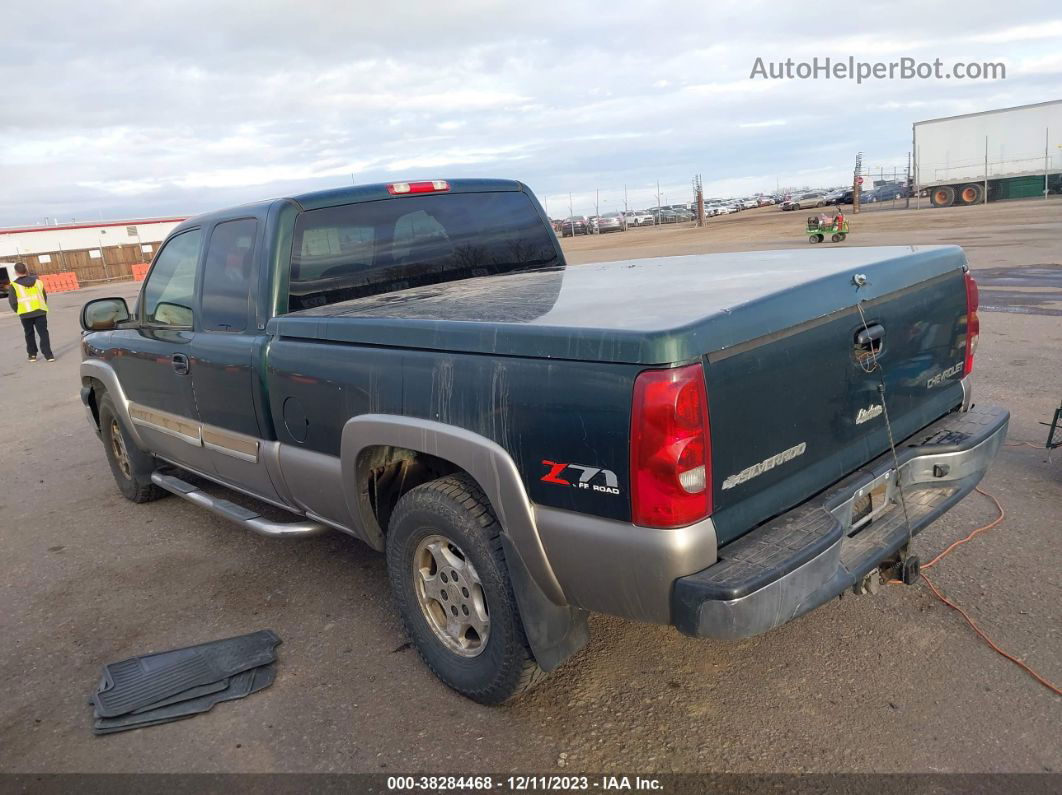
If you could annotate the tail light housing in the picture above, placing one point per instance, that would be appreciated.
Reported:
(671, 462)
(973, 323)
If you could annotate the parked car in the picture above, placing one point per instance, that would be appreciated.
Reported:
(838, 197)
(750, 204)
(576, 225)
(412, 364)
(884, 193)
(640, 218)
(804, 202)
(611, 222)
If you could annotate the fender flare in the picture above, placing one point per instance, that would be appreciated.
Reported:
(101, 371)
(554, 629)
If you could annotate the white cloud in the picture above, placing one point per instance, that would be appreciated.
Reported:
(119, 113)
(769, 123)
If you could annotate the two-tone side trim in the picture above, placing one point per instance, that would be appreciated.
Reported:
(197, 434)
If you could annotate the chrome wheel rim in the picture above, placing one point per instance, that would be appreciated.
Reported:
(451, 596)
(121, 455)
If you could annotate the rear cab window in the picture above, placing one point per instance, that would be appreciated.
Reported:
(357, 250)
(227, 274)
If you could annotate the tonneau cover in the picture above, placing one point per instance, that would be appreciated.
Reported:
(642, 311)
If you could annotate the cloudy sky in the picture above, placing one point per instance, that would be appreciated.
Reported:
(119, 110)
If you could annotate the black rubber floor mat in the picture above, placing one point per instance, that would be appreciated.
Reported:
(186, 695)
(143, 681)
(240, 685)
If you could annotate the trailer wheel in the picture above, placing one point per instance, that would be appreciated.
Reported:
(971, 194)
(944, 196)
(843, 236)
(836, 238)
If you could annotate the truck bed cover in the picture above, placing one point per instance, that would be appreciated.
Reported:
(640, 311)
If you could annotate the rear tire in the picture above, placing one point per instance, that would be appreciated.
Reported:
(130, 466)
(971, 194)
(944, 196)
(465, 626)
(836, 238)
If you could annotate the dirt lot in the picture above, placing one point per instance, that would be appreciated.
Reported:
(893, 682)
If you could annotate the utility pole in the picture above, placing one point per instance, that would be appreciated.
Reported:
(626, 208)
(856, 182)
(571, 212)
(658, 202)
(597, 202)
(907, 183)
(984, 199)
(700, 200)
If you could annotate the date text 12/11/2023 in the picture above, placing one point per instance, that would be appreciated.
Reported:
(524, 783)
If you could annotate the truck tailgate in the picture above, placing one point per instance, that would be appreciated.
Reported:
(795, 411)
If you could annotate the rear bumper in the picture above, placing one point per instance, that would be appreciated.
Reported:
(807, 556)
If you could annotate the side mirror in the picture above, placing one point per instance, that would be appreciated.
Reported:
(104, 314)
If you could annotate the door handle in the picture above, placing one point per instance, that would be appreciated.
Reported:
(180, 364)
(869, 340)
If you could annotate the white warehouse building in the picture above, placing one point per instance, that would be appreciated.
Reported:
(98, 252)
(148, 233)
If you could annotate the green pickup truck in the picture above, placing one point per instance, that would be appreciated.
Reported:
(720, 442)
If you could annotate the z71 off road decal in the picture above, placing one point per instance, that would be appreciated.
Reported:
(585, 479)
(764, 466)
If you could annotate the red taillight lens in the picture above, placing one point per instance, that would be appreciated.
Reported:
(431, 186)
(973, 323)
(671, 462)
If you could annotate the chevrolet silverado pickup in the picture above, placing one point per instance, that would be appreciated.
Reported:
(716, 442)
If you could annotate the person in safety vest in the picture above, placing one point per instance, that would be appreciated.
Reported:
(28, 297)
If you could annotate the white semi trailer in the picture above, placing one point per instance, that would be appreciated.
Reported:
(997, 154)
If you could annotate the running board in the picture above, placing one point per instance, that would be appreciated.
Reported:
(237, 513)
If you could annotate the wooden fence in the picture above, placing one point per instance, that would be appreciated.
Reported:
(111, 264)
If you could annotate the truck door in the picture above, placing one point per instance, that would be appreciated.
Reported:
(224, 351)
(153, 360)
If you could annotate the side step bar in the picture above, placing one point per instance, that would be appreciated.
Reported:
(237, 513)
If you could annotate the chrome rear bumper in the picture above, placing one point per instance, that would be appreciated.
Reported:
(808, 555)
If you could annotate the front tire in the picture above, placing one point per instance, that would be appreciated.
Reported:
(130, 466)
(452, 589)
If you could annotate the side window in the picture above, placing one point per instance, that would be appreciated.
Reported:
(227, 275)
(170, 289)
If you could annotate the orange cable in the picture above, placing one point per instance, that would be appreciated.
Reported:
(1046, 683)
(976, 532)
(936, 592)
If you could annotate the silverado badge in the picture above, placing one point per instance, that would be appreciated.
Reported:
(767, 464)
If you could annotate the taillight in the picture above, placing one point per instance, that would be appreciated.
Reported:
(973, 323)
(671, 461)
(431, 186)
